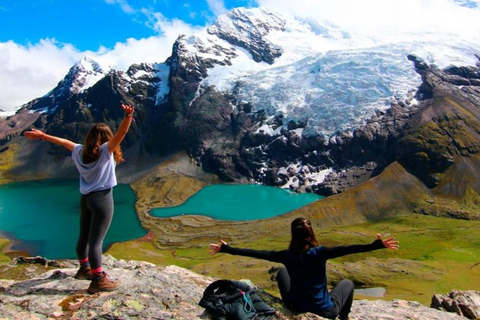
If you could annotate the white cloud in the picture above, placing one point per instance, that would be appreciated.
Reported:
(154, 49)
(216, 6)
(168, 29)
(380, 19)
(27, 72)
(123, 5)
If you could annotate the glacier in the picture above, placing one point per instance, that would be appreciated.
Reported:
(325, 80)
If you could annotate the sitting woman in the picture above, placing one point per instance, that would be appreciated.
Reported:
(303, 283)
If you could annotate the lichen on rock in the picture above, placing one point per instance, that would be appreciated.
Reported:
(153, 292)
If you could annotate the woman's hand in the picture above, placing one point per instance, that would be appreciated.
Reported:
(128, 110)
(215, 248)
(389, 243)
(118, 137)
(35, 134)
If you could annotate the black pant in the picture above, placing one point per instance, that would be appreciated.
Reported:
(341, 295)
(96, 214)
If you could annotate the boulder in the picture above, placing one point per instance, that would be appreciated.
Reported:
(466, 303)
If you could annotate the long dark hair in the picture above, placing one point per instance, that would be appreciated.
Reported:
(303, 237)
(96, 136)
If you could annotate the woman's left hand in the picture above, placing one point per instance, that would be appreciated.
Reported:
(215, 248)
(389, 243)
(128, 109)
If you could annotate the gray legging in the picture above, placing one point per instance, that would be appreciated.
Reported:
(341, 295)
(96, 213)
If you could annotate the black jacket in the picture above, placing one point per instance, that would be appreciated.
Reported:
(307, 271)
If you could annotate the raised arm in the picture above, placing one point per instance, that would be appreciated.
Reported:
(36, 134)
(122, 129)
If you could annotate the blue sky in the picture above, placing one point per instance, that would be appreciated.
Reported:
(91, 24)
(40, 40)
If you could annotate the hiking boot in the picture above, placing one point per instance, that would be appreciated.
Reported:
(84, 273)
(102, 283)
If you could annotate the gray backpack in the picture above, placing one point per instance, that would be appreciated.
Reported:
(234, 300)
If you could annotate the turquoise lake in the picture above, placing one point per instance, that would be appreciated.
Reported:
(239, 202)
(42, 216)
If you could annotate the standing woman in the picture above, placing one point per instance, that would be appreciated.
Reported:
(95, 160)
(303, 283)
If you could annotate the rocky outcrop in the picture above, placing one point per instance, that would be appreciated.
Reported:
(153, 292)
(397, 310)
(466, 303)
(147, 292)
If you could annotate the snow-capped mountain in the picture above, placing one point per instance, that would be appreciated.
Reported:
(272, 98)
(316, 76)
(154, 75)
(83, 75)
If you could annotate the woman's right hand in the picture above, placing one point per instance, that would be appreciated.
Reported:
(389, 243)
(215, 248)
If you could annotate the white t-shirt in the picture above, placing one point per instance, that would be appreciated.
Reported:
(97, 175)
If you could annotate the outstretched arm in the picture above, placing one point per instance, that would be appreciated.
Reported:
(275, 256)
(334, 252)
(36, 134)
(122, 129)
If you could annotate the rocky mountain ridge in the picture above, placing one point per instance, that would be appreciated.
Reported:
(152, 292)
(249, 32)
(181, 108)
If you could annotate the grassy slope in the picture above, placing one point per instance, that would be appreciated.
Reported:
(7, 162)
(437, 255)
(4, 244)
(434, 249)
